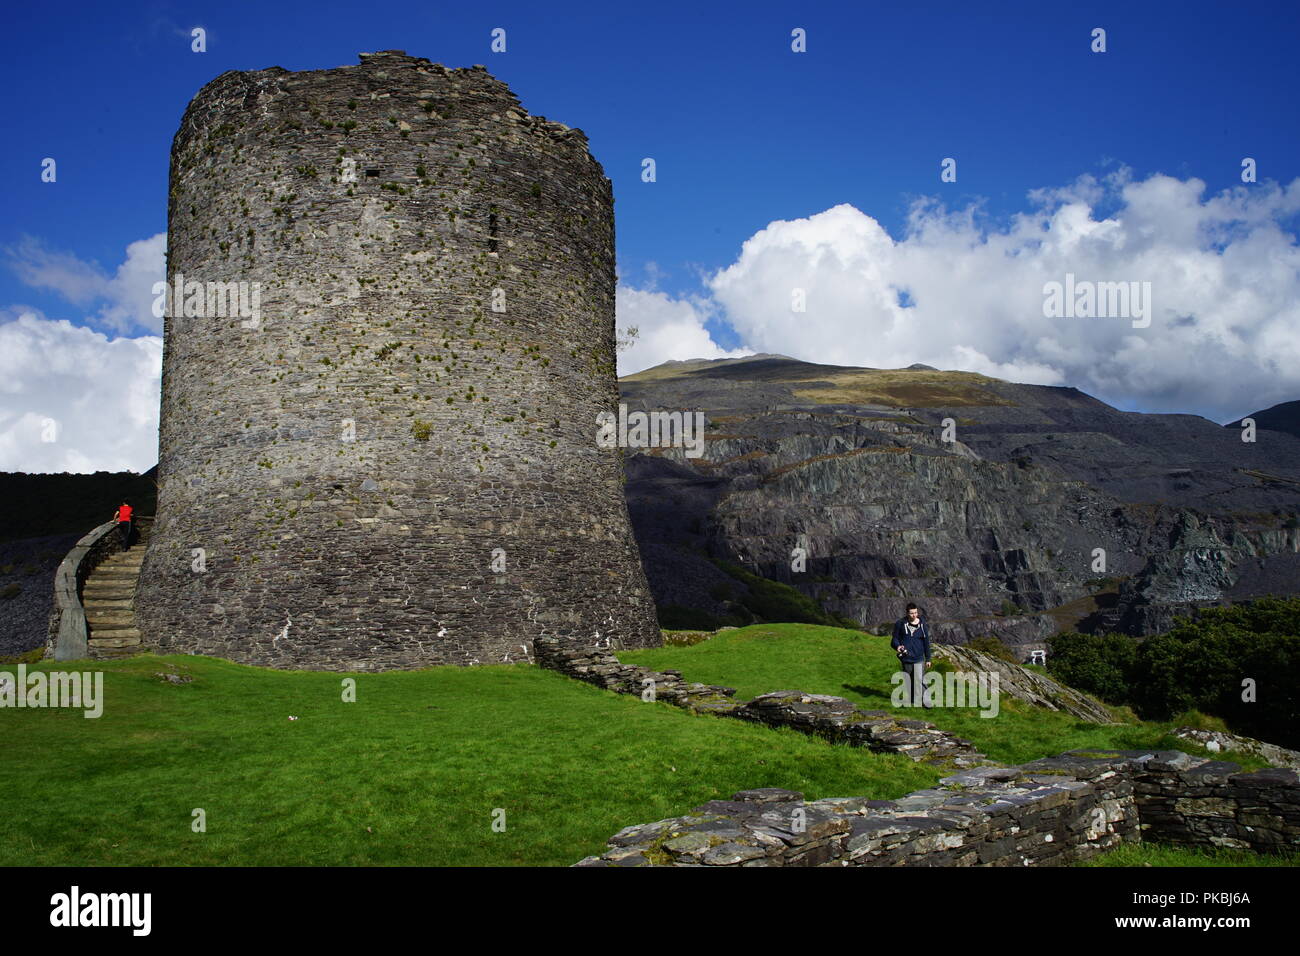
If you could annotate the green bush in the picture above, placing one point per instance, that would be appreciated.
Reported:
(1098, 664)
(1200, 664)
(1204, 663)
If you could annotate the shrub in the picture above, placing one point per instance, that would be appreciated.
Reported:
(1099, 664)
(1206, 664)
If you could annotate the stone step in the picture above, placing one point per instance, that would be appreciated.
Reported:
(110, 620)
(115, 618)
(108, 594)
(119, 639)
(98, 607)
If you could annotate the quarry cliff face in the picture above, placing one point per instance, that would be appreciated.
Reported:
(377, 433)
(1044, 510)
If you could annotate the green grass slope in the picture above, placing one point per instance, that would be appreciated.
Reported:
(409, 774)
(412, 772)
(856, 665)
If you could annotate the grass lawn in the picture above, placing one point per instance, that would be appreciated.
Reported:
(852, 664)
(1161, 854)
(409, 774)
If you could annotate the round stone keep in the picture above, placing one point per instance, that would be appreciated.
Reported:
(389, 333)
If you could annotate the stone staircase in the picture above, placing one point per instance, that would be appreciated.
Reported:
(109, 599)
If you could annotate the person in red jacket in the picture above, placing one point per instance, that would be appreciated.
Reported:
(123, 518)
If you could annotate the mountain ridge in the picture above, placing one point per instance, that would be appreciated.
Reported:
(1007, 514)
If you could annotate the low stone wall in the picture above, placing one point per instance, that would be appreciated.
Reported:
(1217, 741)
(1049, 812)
(596, 665)
(68, 635)
(833, 718)
(1212, 803)
(840, 721)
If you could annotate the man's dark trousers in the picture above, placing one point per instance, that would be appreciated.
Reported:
(124, 529)
(914, 685)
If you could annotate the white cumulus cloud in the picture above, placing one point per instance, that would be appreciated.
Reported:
(1224, 334)
(124, 300)
(71, 400)
(952, 292)
(667, 329)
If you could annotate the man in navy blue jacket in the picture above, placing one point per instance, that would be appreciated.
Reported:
(911, 641)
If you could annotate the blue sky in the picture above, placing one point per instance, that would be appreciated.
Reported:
(745, 133)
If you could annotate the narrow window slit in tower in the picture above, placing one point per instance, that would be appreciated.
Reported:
(492, 232)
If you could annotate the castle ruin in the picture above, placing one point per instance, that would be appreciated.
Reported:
(388, 335)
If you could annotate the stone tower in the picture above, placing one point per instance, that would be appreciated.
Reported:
(391, 334)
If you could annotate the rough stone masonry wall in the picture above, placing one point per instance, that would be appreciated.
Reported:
(474, 429)
(1199, 802)
(1049, 812)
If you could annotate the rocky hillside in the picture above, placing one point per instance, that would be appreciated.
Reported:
(39, 505)
(1282, 418)
(993, 532)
